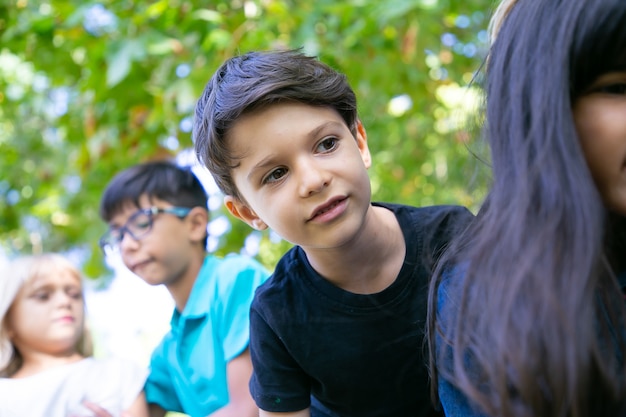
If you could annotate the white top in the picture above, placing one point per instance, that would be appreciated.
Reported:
(58, 392)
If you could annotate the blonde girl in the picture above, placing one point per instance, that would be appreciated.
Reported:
(46, 368)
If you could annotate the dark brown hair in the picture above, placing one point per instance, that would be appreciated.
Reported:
(256, 80)
(164, 180)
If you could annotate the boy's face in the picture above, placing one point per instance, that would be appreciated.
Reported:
(302, 173)
(163, 254)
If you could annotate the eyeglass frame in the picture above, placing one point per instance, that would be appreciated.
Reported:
(105, 241)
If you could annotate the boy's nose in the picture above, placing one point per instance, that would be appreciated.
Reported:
(128, 242)
(312, 179)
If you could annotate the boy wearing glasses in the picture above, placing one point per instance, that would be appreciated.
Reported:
(157, 215)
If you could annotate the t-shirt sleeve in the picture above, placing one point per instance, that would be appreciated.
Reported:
(132, 382)
(111, 383)
(239, 278)
(159, 386)
(451, 222)
(278, 383)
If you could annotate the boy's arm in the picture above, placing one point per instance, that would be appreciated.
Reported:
(159, 388)
(139, 407)
(301, 413)
(239, 279)
(156, 411)
(277, 374)
(241, 404)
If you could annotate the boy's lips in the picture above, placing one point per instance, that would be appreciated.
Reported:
(138, 265)
(326, 207)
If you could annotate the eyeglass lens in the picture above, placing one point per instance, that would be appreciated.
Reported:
(137, 226)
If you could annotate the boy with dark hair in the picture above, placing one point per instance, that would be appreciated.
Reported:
(338, 329)
(157, 215)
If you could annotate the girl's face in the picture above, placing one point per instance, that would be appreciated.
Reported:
(47, 315)
(600, 117)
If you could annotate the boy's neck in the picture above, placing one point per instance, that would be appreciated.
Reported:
(181, 286)
(371, 262)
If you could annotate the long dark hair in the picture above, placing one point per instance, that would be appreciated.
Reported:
(538, 320)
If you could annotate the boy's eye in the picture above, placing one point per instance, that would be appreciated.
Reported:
(326, 145)
(275, 175)
(141, 223)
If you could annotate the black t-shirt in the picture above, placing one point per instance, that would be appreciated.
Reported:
(344, 354)
(621, 279)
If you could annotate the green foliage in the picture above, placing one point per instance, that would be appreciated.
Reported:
(87, 89)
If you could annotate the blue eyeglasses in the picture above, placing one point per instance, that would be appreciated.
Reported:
(137, 226)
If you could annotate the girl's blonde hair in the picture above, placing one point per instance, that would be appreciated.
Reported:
(501, 12)
(13, 275)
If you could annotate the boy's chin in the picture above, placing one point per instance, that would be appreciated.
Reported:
(152, 281)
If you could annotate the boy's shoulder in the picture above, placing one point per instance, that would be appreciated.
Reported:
(289, 263)
(232, 262)
(412, 220)
(428, 217)
(286, 276)
(434, 225)
(228, 271)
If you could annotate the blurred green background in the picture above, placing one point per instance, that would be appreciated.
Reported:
(90, 88)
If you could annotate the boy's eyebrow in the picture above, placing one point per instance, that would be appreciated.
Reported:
(263, 163)
(330, 124)
(269, 160)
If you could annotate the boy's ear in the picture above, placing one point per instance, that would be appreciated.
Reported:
(361, 142)
(198, 218)
(241, 211)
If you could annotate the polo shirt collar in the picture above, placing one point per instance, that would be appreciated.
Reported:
(199, 300)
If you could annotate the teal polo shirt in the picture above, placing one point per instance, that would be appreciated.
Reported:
(188, 368)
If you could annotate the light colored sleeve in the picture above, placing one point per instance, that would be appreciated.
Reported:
(240, 276)
(133, 378)
(114, 383)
